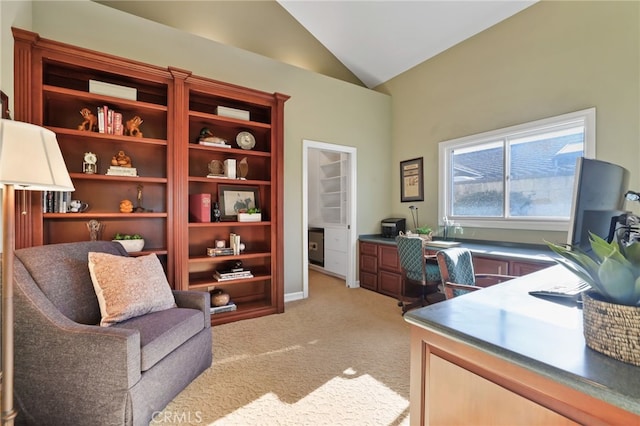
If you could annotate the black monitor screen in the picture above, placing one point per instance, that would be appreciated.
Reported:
(598, 195)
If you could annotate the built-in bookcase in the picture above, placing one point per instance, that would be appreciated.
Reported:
(52, 86)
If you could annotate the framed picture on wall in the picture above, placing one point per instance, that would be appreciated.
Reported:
(234, 199)
(411, 180)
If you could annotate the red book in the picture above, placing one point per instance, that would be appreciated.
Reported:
(200, 208)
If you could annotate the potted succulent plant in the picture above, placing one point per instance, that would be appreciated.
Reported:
(249, 215)
(130, 242)
(611, 309)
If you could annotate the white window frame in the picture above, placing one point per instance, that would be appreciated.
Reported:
(445, 149)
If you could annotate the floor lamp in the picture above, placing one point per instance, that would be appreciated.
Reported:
(30, 159)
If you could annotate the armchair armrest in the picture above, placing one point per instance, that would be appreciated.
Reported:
(200, 300)
(48, 338)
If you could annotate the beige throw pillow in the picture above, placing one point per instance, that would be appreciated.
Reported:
(129, 287)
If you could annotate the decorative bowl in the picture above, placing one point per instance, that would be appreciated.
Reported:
(219, 298)
(131, 245)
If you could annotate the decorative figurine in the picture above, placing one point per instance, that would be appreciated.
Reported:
(90, 163)
(126, 206)
(216, 168)
(132, 127)
(243, 168)
(121, 160)
(139, 208)
(206, 137)
(94, 228)
(216, 212)
(90, 123)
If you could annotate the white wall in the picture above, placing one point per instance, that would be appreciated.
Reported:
(320, 108)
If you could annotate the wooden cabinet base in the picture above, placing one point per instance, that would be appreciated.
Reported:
(453, 383)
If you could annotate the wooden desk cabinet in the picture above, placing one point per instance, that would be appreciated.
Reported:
(380, 267)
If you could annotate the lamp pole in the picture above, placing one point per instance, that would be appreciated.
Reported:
(8, 246)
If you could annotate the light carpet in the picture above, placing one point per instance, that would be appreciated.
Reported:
(340, 357)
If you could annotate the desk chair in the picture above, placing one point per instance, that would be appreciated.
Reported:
(457, 273)
(420, 276)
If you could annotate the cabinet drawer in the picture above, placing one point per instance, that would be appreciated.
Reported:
(335, 239)
(368, 248)
(487, 265)
(519, 268)
(369, 280)
(335, 261)
(369, 263)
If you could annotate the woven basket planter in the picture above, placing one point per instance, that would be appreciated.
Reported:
(612, 329)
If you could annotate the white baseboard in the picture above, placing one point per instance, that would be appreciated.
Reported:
(290, 297)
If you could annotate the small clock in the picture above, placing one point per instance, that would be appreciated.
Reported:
(90, 163)
(245, 140)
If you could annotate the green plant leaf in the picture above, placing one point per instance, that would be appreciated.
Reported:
(632, 253)
(618, 280)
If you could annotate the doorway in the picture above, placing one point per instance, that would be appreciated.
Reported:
(329, 185)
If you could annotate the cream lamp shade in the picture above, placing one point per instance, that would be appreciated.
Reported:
(31, 159)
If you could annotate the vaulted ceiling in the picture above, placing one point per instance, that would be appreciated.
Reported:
(363, 42)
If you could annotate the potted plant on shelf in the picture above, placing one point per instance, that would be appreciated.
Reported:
(249, 215)
(425, 232)
(611, 309)
(131, 243)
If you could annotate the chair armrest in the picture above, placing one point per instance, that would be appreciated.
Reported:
(449, 289)
(80, 353)
(200, 300)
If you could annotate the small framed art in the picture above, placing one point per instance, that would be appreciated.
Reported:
(411, 180)
(234, 199)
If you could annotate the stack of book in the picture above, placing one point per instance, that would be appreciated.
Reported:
(122, 171)
(232, 274)
(229, 307)
(219, 144)
(219, 251)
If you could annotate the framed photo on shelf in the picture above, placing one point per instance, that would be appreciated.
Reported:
(411, 180)
(233, 198)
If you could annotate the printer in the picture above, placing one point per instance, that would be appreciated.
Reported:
(391, 227)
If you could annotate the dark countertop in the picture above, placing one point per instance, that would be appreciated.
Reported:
(540, 335)
(530, 252)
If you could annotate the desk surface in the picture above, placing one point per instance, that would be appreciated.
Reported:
(540, 335)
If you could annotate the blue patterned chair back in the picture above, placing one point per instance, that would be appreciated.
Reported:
(459, 265)
(411, 254)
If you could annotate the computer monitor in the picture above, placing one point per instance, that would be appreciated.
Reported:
(598, 195)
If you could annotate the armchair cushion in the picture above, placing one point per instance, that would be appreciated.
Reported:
(129, 287)
(162, 332)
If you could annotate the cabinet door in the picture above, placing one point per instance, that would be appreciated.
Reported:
(335, 261)
(335, 239)
(388, 258)
(390, 283)
(488, 265)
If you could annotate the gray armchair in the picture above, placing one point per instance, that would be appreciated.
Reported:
(70, 371)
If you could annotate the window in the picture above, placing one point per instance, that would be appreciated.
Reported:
(519, 177)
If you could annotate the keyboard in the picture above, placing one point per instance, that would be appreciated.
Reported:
(571, 289)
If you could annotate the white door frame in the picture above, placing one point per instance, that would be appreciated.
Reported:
(351, 210)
